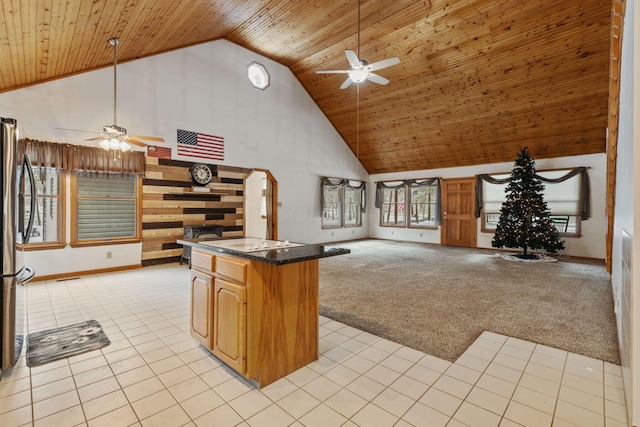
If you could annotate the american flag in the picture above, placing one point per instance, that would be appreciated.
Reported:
(160, 152)
(201, 145)
(400, 206)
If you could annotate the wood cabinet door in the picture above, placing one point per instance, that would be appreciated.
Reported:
(201, 308)
(459, 226)
(230, 324)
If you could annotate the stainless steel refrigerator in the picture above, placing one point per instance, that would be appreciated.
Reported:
(17, 185)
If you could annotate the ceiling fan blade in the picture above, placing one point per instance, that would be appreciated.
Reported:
(346, 83)
(333, 72)
(383, 64)
(98, 138)
(352, 58)
(77, 130)
(130, 140)
(148, 138)
(377, 79)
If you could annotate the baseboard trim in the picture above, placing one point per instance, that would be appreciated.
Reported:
(85, 272)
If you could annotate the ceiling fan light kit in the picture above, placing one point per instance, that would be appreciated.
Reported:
(358, 76)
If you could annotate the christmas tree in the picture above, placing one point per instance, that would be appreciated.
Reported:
(524, 217)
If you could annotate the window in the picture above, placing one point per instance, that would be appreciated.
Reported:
(48, 225)
(105, 208)
(342, 203)
(411, 204)
(393, 205)
(258, 75)
(562, 198)
(352, 207)
(423, 206)
(332, 209)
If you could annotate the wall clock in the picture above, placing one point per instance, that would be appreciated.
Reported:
(200, 174)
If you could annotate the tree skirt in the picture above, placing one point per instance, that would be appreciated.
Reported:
(512, 257)
(54, 344)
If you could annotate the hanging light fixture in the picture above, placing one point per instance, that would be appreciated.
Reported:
(115, 143)
(113, 137)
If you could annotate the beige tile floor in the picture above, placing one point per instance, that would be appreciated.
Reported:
(154, 374)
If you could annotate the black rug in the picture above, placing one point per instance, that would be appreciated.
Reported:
(57, 343)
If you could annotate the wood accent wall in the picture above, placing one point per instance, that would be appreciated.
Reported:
(169, 203)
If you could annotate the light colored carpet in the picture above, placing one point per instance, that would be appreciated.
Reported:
(439, 299)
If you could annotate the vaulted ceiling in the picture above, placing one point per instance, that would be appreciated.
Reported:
(478, 79)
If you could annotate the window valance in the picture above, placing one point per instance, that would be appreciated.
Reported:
(578, 204)
(79, 158)
(335, 183)
(391, 185)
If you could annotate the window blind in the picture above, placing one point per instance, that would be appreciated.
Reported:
(494, 194)
(106, 207)
(563, 198)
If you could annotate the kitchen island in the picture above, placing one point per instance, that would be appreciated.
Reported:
(254, 303)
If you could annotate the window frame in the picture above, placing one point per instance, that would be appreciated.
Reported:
(357, 204)
(340, 210)
(343, 207)
(396, 225)
(578, 221)
(61, 214)
(410, 204)
(578, 225)
(407, 214)
(101, 242)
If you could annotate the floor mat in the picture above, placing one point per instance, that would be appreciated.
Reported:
(57, 343)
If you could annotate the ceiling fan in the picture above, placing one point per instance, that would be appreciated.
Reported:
(359, 69)
(114, 137)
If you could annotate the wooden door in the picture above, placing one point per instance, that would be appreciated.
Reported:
(201, 308)
(458, 218)
(230, 324)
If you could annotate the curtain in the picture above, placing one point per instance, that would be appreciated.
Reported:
(335, 183)
(43, 155)
(585, 190)
(407, 183)
(93, 160)
(79, 158)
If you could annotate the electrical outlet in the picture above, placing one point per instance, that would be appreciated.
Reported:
(109, 255)
(420, 234)
(353, 231)
(332, 234)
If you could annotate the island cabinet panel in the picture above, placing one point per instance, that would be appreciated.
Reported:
(203, 261)
(282, 317)
(202, 308)
(230, 320)
(259, 318)
(233, 268)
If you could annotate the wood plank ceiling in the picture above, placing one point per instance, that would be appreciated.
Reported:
(478, 79)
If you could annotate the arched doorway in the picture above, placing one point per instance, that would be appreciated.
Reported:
(261, 205)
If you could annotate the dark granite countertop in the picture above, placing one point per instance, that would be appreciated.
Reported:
(284, 255)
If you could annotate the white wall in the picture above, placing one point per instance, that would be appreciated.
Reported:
(591, 244)
(627, 212)
(202, 88)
